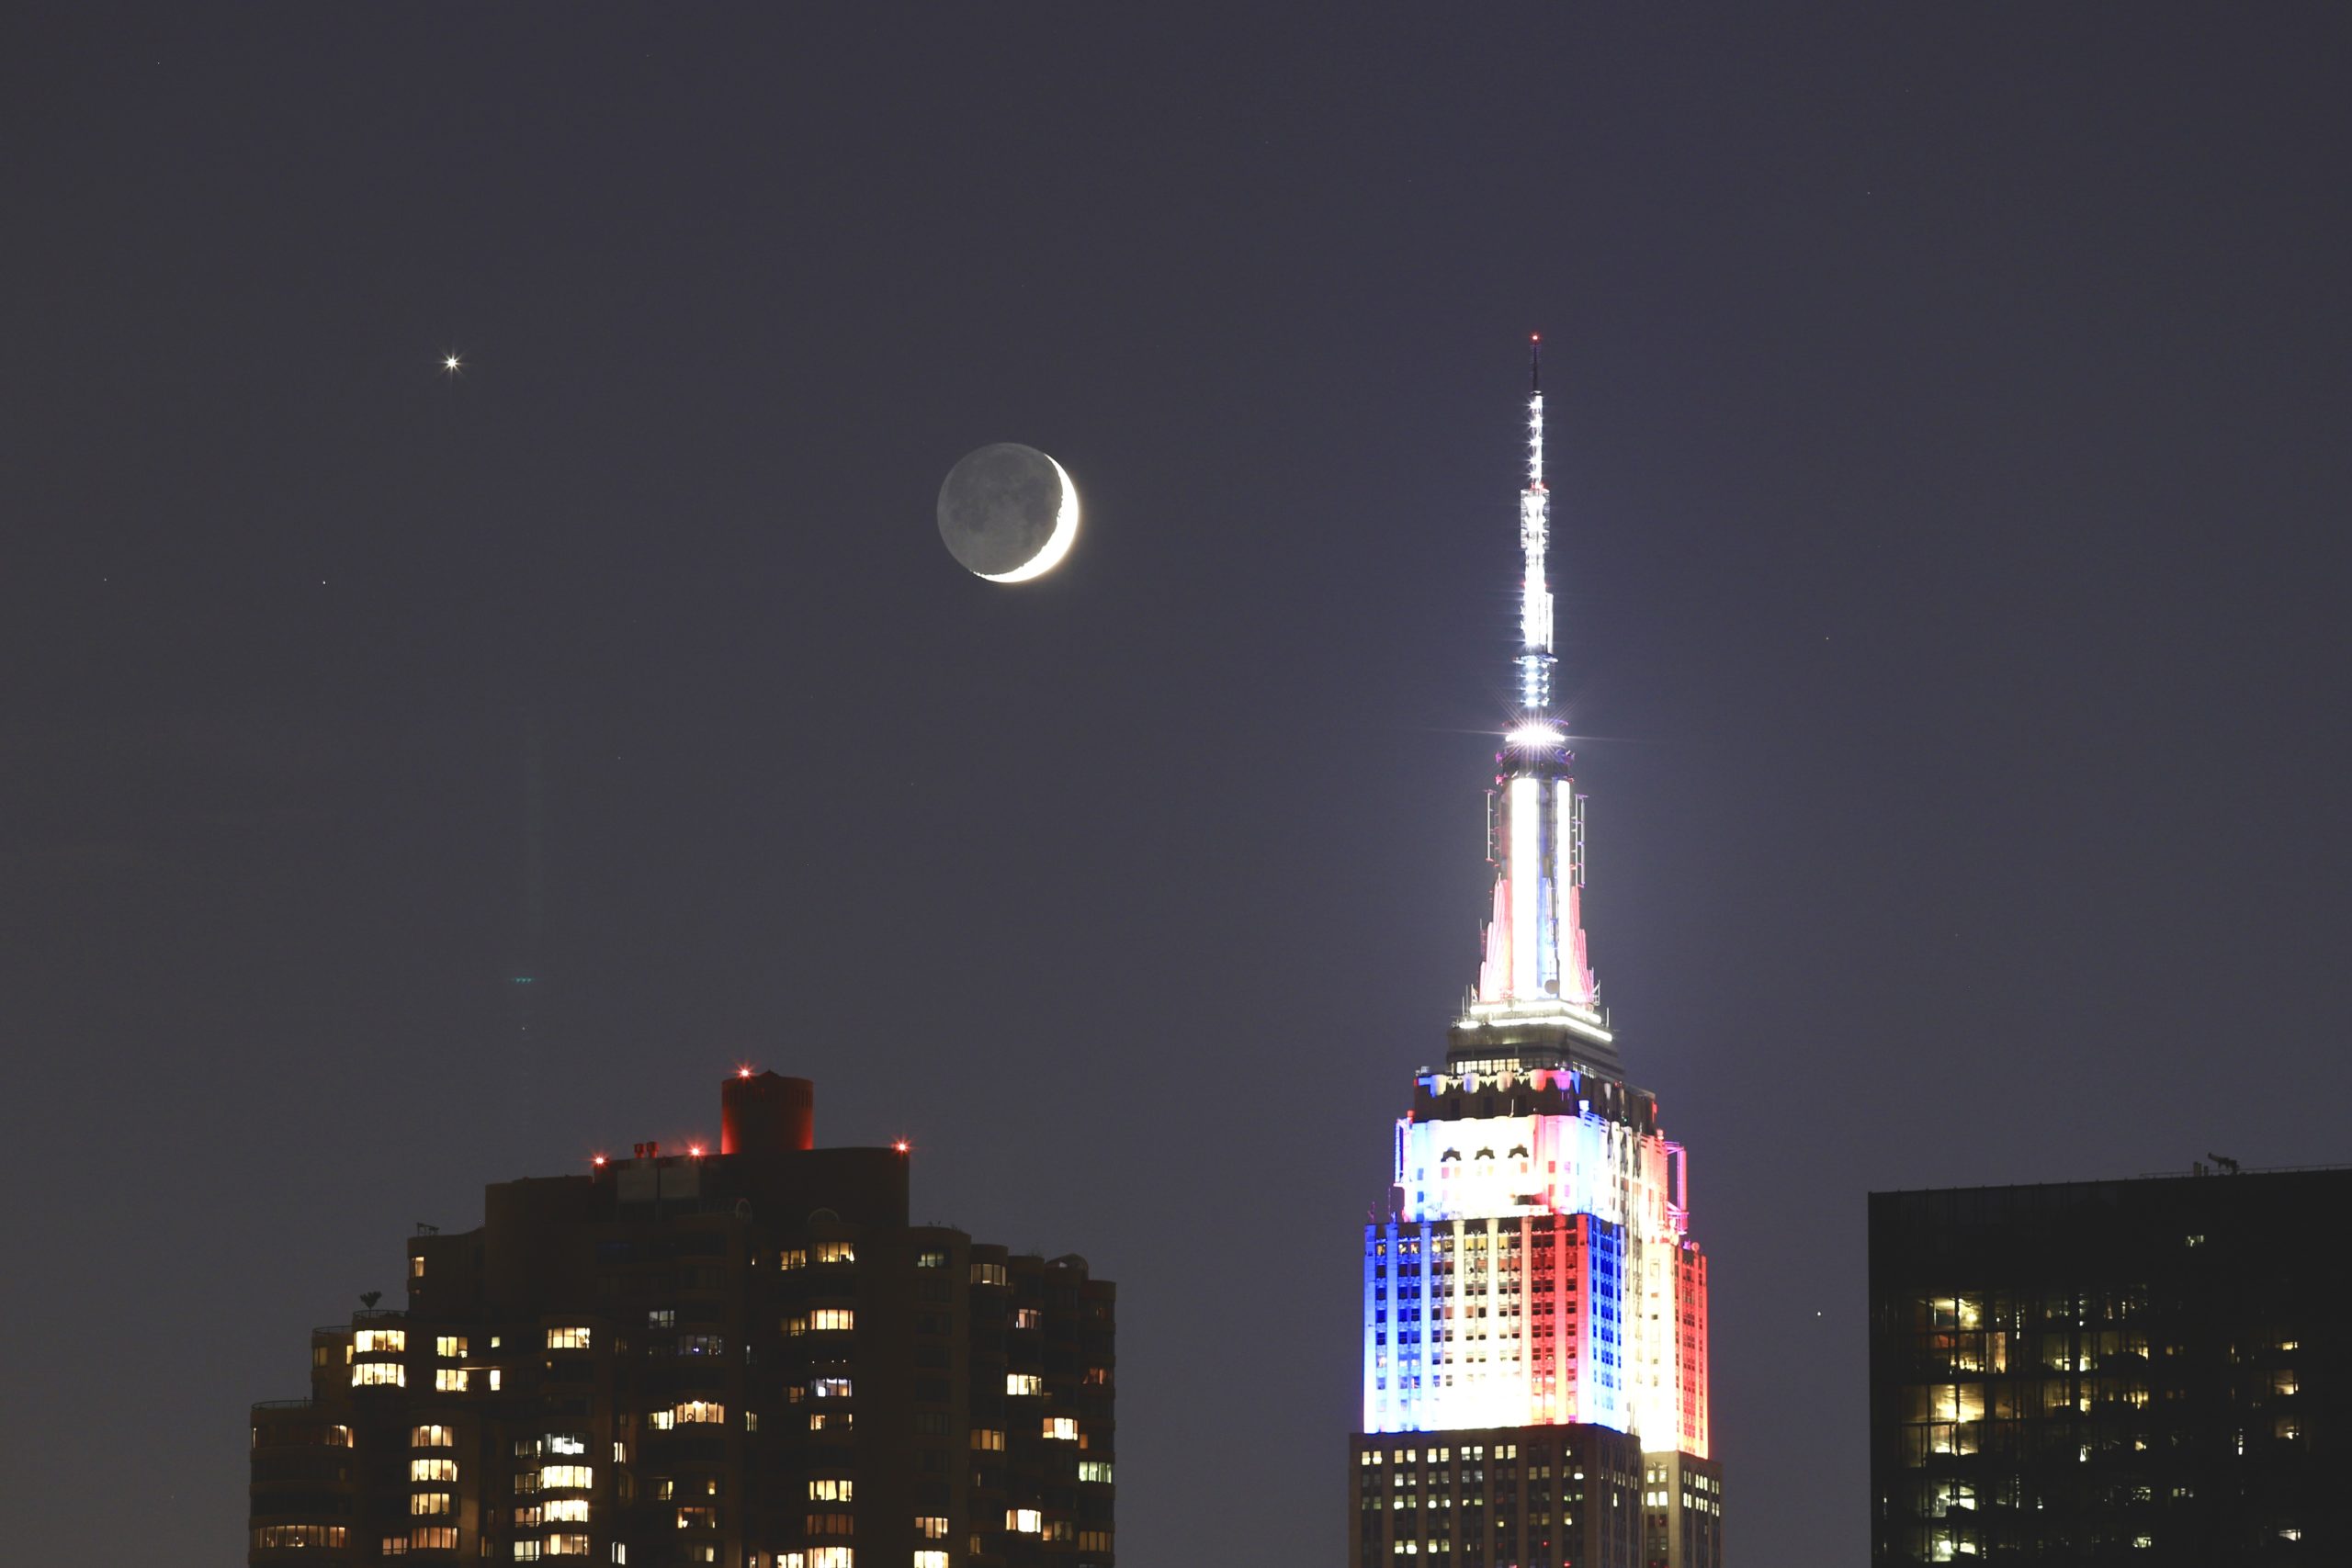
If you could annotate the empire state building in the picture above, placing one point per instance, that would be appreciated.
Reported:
(1534, 1309)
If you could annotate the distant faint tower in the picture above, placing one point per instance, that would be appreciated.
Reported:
(1534, 1313)
(524, 983)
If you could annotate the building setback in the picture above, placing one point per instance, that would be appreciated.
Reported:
(2150, 1372)
(1534, 1309)
(746, 1358)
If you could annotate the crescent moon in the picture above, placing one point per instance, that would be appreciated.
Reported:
(1057, 545)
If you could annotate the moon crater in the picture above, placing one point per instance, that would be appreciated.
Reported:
(1008, 513)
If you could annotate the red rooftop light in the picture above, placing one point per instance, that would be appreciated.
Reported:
(595, 1159)
(900, 1145)
(694, 1150)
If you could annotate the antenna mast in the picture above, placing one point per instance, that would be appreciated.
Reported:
(1535, 532)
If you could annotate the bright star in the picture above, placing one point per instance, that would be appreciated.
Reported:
(452, 366)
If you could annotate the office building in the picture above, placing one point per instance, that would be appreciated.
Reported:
(2149, 1373)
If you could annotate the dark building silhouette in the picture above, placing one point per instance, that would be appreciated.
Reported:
(2149, 1373)
(745, 1357)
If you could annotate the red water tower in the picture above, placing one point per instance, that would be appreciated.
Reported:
(766, 1114)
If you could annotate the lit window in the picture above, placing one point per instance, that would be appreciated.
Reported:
(1027, 1317)
(279, 1538)
(565, 1511)
(1024, 1383)
(526, 1552)
(493, 1380)
(832, 1557)
(393, 1546)
(931, 1261)
(988, 1274)
(428, 1505)
(417, 1266)
(570, 1338)
(379, 1374)
(830, 1491)
(796, 1326)
(567, 1546)
(1061, 1428)
(931, 1526)
(450, 1379)
(1094, 1470)
(381, 1341)
(432, 1437)
(832, 1320)
(985, 1438)
(661, 1317)
(569, 1444)
(697, 1519)
(821, 1420)
(829, 1388)
(432, 1538)
(566, 1477)
(793, 1258)
(433, 1470)
(1027, 1521)
(701, 1413)
(449, 1347)
(836, 1252)
(930, 1560)
(660, 1420)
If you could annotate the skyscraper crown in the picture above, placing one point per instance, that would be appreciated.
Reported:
(1535, 987)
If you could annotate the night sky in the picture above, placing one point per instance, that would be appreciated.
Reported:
(1951, 462)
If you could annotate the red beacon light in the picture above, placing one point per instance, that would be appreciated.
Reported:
(597, 1160)
(743, 1072)
(694, 1150)
(900, 1145)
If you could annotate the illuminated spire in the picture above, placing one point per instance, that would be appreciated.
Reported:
(1528, 1155)
(1535, 971)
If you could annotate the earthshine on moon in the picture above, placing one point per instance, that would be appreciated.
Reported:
(1008, 513)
